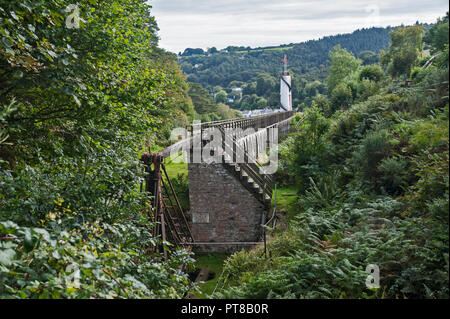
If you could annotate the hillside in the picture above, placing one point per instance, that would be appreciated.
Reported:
(307, 59)
(255, 71)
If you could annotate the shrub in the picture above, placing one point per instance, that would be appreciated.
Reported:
(429, 135)
(372, 73)
(341, 97)
(372, 150)
(395, 175)
(324, 193)
(415, 72)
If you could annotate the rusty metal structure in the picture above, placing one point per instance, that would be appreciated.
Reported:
(166, 211)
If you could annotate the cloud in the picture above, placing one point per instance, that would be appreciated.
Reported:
(220, 23)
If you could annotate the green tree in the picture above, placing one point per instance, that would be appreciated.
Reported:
(307, 153)
(221, 97)
(342, 64)
(322, 103)
(212, 50)
(176, 88)
(78, 105)
(341, 97)
(201, 98)
(404, 50)
(369, 57)
(264, 84)
(261, 103)
(437, 35)
(371, 72)
(224, 111)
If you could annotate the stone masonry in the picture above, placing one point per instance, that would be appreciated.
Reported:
(222, 209)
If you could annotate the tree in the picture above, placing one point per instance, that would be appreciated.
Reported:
(224, 111)
(249, 89)
(202, 100)
(437, 35)
(264, 84)
(221, 97)
(307, 60)
(261, 103)
(212, 50)
(369, 57)
(372, 73)
(81, 103)
(308, 146)
(313, 88)
(322, 103)
(405, 48)
(342, 64)
(341, 96)
(190, 52)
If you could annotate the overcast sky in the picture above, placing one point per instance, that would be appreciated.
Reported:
(220, 23)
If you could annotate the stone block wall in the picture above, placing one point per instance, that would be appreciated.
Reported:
(222, 209)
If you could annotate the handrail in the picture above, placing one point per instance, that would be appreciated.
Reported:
(269, 120)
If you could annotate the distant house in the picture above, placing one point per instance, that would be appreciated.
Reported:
(236, 93)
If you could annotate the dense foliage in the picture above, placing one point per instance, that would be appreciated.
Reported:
(373, 179)
(78, 103)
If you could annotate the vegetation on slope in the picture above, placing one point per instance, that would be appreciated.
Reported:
(373, 185)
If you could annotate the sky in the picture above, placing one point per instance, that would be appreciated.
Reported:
(257, 23)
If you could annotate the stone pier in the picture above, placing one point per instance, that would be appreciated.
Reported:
(223, 212)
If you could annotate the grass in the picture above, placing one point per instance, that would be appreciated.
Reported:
(214, 262)
(173, 168)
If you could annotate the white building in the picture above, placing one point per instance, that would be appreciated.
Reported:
(286, 88)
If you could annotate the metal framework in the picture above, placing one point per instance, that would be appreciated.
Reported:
(167, 212)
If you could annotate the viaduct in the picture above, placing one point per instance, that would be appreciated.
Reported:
(230, 183)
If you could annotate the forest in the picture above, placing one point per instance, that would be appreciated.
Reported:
(83, 96)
